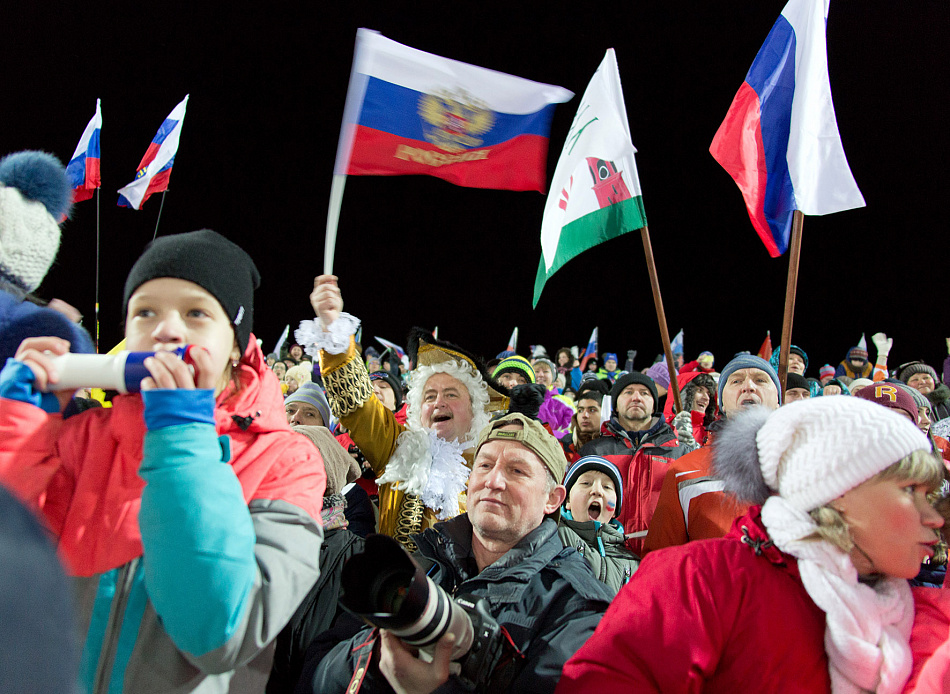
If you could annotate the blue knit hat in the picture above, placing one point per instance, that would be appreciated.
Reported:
(595, 462)
(312, 394)
(608, 356)
(749, 361)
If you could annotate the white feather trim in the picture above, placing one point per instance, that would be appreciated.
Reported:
(335, 340)
(431, 468)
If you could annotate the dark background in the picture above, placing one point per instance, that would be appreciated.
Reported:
(267, 89)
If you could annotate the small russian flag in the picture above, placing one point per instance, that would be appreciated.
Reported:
(83, 168)
(156, 166)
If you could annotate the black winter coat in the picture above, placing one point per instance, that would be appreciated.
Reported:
(545, 595)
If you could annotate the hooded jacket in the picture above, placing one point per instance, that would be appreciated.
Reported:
(728, 615)
(186, 569)
(602, 545)
(643, 462)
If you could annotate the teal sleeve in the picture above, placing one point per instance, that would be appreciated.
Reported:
(197, 536)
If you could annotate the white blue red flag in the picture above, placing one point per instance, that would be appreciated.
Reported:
(83, 168)
(591, 350)
(156, 166)
(779, 140)
(411, 112)
(513, 341)
(676, 344)
(400, 352)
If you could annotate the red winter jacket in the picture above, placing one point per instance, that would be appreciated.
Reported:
(83, 473)
(642, 466)
(728, 615)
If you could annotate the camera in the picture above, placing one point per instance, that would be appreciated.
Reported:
(122, 371)
(386, 588)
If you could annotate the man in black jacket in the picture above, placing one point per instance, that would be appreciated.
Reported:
(505, 549)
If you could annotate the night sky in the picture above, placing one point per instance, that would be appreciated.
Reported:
(267, 88)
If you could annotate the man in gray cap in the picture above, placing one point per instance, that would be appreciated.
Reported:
(692, 505)
(308, 405)
(506, 549)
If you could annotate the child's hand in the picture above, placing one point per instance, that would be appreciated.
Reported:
(35, 353)
(170, 372)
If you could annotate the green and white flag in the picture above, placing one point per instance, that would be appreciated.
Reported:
(595, 193)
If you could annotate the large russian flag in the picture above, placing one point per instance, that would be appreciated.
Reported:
(156, 166)
(411, 112)
(83, 168)
(779, 140)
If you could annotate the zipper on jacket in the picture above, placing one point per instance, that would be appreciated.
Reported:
(113, 628)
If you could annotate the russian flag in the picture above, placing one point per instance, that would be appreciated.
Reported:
(411, 112)
(591, 350)
(156, 166)
(399, 351)
(83, 168)
(779, 140)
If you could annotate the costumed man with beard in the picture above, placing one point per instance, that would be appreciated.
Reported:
(423, 466)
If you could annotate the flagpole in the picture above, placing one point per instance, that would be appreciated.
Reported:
(661, 316)
(333, 219)
(97, 270)
(791, 288)
(159, 218)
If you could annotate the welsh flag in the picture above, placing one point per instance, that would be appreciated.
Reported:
(595, 193)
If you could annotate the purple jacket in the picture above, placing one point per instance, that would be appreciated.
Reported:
(555, 413)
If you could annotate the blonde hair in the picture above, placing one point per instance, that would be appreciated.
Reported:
(921, 465)
(300, 373)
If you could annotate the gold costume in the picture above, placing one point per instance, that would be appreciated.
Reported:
(374, 429)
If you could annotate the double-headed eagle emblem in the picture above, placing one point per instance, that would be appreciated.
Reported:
(453, 121)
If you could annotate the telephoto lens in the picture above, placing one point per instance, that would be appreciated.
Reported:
(122, 371)
(385, 587)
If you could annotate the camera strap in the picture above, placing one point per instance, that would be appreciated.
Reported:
(365, 655)
(509, 663)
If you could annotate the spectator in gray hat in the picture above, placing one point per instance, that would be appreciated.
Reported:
(308, 405)
(692, 505)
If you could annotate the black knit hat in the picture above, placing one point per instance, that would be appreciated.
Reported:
(634, 377)
(212, 262)
(393, 383)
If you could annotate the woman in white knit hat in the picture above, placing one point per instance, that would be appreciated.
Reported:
(809, 590)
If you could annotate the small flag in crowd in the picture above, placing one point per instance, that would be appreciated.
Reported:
(595, 193)
(765, 351)
(676, 344)
(411, 112)
(591, 350)
(283, 338)
(779, 140)
(83, 168)
(400, 352)
(513, 341)
(156, 166)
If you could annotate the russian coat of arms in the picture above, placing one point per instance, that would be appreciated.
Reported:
(453, 121)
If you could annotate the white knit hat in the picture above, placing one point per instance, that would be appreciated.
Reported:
(813, 451)
(34, 194)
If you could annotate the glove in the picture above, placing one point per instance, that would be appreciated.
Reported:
(883, 343)
(683, 423)
(17, 383)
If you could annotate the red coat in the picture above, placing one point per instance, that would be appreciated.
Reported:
(709, 616)
(82, 473)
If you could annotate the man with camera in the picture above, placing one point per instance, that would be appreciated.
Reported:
(503, 556)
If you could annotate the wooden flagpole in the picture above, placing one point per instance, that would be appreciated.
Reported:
(661, 317)
(791, 288)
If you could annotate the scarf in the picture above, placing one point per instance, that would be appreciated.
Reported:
(867, 630)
